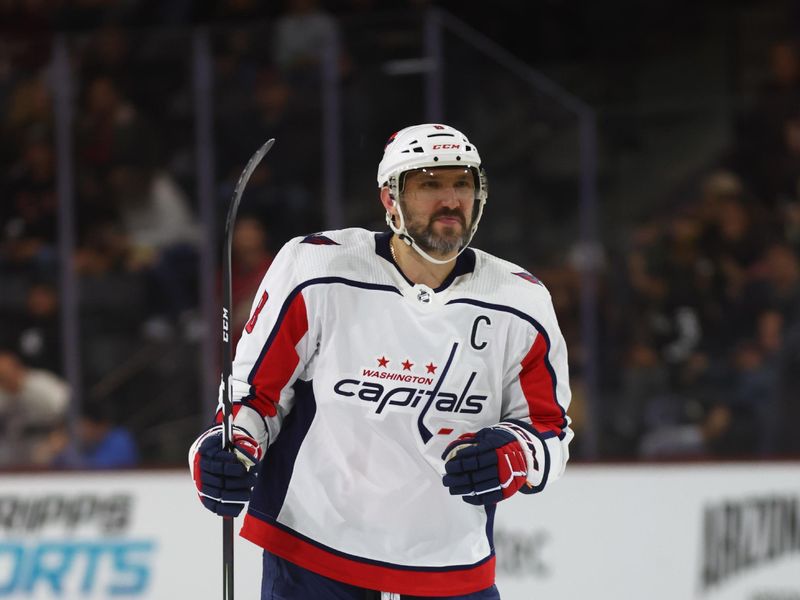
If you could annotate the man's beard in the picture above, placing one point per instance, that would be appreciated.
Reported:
(444, 243)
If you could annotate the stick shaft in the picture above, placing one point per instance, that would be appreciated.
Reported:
(227, 354)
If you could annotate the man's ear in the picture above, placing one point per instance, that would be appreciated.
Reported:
(387, 200)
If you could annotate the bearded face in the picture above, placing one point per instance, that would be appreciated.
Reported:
(437, 205)
(444, 232)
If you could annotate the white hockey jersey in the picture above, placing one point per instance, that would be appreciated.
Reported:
(357, 380)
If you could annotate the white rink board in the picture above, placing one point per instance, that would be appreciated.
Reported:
(602, 532)
(640, 532)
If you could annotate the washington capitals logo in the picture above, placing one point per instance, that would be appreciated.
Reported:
(384, 396)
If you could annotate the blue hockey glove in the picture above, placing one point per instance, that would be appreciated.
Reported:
(485, 467)
(224, 478)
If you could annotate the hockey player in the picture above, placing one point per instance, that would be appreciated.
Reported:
(390, 389)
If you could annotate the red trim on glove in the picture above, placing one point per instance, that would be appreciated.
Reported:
(196, 472)
(511, 459)
(244, 443)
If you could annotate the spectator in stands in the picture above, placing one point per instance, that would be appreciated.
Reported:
(153, 211)
(783, 277)
(788, 414)
(152, 74)
(789, 214)
(762, 131)
(160, 232)
(28, 212)
(113, 298)
(733, 240)
(733, 243)
(787, 164)
(34, 334)
(109, 53)
(32, 403)
(717, 401)
(100, 443)
(235, 68)
(716, 188)
(110, 127)
(738, 423)
(776, 285)
(104, 248)
(666, 273)
(282, 190)
(30, 104)
(644, 380)
(163, 233)
(302, 35)
(780, 94)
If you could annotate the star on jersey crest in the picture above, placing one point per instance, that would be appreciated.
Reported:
(407, 364)
(383, 361)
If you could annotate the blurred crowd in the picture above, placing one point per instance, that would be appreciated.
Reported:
(701, 341)
(700, 302)
(138, 237)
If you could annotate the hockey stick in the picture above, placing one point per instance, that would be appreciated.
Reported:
(227, 355)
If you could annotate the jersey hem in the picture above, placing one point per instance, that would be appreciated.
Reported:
(411, 581)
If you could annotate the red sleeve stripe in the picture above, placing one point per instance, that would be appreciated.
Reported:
(234, 409)
(279, 359)
(539, 387)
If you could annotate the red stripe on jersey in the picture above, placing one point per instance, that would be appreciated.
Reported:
(376, 577)
(538, 387)
(281, 359)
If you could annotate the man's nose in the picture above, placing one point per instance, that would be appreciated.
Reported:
(450, 197)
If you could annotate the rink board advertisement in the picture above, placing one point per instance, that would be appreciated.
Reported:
(710, 532)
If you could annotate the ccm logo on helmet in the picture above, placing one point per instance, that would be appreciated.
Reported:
(446, 146)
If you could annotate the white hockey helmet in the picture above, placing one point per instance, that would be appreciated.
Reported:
(429, 145)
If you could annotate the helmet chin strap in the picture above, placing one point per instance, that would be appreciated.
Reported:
(403, 234)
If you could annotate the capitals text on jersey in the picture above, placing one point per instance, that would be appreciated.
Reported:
(446, 402)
